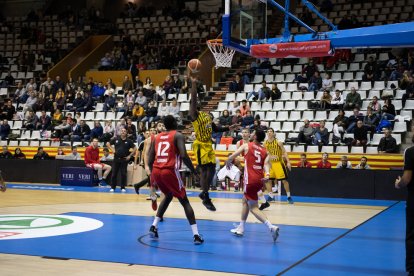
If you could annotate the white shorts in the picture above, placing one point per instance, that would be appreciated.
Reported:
(234, 173)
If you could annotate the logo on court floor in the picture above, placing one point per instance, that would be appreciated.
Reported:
(38, 226)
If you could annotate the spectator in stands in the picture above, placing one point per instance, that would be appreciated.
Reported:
(273, 94)
(8, 80)
(45, 122)
(409, 90)
(168, 86)
(327, 83)
(60, 99)
(216, 136)
(388, 110)
(8, 111)
(4, 129)
(74, 154)
(403, 83)
(162, 109)
(237, 118)
(18, 154)
(20, 95)
(353, 119)
(126, 84)
(84, 130)
(237, 85)
(363, 164)
(360, 134)
(31, 84)
(375, 106)
(261, 95)
(265, 67)
(30, 102)
(151, 113)
(31, 120)
(234, 107)
(6, 154)
(177, 84)
(107, 62)
(353, 100)
(247, 74)
(387, 144)
(258, 126)
(244, 108)
(141, 99)
(306, 133)
(160, 94)
(174, 109)
(185, 85)
(60, 152)
(370, 121)
(106, 155)
(304, 163)
(78, 103)
(98, 91)
(315, 82)
(108, 131)
(324, 163)
(321, 135)
(307, 72)
(57, 118)
(326, 99)
(344, 163)
(110, 102)
(97, 131)
(248, 120)
(370, 70)
(64, 127)
(131, 130)
(225, 119)
(138, 83)
(71, 132)
(129, 97)
(41, 154)
(58, 84)
(340, 124)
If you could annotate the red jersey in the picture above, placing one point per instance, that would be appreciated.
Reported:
(254, 164)
(321, 165)
(167, 155)
(91, 155)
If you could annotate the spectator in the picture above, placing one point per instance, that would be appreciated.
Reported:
(163, 109)
(216, 136)
(106, 156)
(78, 103)
(151, 113)
(4, 129)
(8, 111)
(31, 121)
(71, 132)
(126, 84)
(44, 122)
(248, 120)
(58, 84)
(8, 80)
(353, 100)
(85, 132)
(74, 155)
(177, 84)
(304, 163)
(141, 99)
(110, 84)
(110, 102)
(18, 154)
(235, 106)
(370, 70)
(129, 97)
(321, 137)
(264, 68)
(360, 135)
(258, 126)
(185, 85)
(247, 74)
(97, 131)
(261, 94)
(244, 108)
(326, 99)
(60, 99)
(387, 144)
(344, 163)
(225, 119)
(57, 118)
(370, 121)
(237, 85)
(273, 94)
(167, 86)
(60, 152)
(174, 109)
(6, 154)
(98, 91)
(138, 83)
(30, 102)
(324, 163)
(363, 165)
(237, 118)
(306, 133)
(353, 119)
(388, 110)
(315, 82)
(108, 131)
(107, 62)
(327, 83)
(41, 154)
(307, 72)
(131, 130)
(409, 89)
(375, 106)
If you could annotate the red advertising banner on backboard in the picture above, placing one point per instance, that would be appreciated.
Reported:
(292, 49)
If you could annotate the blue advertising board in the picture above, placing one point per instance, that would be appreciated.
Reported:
(76, 176)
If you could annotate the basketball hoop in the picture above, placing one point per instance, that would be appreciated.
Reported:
(222, 54)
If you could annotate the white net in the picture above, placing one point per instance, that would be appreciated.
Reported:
(222, 54)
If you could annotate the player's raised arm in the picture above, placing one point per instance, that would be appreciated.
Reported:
(180, 143)
(193, 100)
(243, 148)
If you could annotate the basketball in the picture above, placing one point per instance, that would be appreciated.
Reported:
(194, 65)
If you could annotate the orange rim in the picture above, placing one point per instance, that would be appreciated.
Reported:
(215, 42)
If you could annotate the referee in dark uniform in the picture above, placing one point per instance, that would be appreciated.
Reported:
(407, 180)
(123, 149)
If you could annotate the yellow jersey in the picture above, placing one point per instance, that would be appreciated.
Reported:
(202, 127)
(274, 149)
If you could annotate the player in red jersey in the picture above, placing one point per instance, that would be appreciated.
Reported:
(255, 164)
(165, 155)
(92, 161)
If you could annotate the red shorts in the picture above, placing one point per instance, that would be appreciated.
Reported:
(169, 181)
(251, 190)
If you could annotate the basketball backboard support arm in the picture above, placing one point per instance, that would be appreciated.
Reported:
(312, 7)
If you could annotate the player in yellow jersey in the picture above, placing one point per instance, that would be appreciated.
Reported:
(280, 166)
(202, 146)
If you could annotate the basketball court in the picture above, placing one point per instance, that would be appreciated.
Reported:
(52, 229)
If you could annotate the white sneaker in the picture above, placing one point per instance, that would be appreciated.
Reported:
(123, 190)
(275, 233)
(238, 231)
(111, 190)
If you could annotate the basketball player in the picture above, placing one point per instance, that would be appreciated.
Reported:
(165, 155)
(3, 186)
(256, 165)
(280, 164)
(202, 145)
(92, 161)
